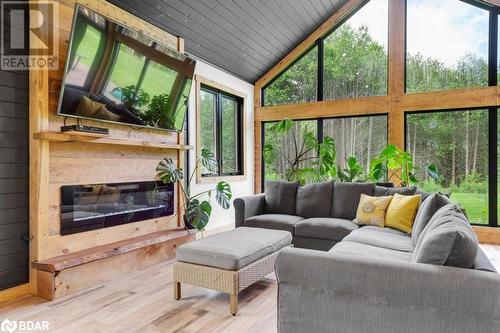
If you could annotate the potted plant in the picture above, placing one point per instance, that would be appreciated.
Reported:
(197, 208)
(393, 162)
(133, 98)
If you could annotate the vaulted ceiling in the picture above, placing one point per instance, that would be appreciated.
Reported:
(243, 37)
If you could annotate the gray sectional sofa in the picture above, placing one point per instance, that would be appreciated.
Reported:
(341, 277)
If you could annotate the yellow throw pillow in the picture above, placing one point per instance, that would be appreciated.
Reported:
(371, 210)
(87, 107)
(402, 211)
(105, 114)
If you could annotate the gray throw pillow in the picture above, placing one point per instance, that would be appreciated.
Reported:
(426, 194)
(346, 198)
(381, 191)
(280, 197)
(426, 211)
(315, 200)
(448, 239)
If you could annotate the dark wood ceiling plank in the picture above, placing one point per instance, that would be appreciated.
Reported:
(228, 35)
(279, 21)
(233, 11)
(194, 41)
(243, 37)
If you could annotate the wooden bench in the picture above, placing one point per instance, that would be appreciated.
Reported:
(66, 274)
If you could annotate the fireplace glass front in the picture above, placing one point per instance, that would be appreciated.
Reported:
(94, 206)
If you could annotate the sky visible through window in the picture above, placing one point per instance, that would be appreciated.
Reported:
(446, 30)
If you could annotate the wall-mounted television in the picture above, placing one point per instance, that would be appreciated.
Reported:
(115, 74)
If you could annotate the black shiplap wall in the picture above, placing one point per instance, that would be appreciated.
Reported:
(13, 178)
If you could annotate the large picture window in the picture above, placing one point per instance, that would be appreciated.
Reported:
(355, 54)
(360, 137)
(221, 130)
(457, 143)
(447, 45)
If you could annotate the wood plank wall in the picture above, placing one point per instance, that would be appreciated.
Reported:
(56, 164)
(13, 176)
(395, 103)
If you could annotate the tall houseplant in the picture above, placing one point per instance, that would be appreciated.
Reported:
(306, 149)
(197, 208)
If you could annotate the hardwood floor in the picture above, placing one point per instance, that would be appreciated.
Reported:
(143, 302)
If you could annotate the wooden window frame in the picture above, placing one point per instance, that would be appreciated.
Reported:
(203, 179)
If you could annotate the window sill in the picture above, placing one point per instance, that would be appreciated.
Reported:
(216, 179)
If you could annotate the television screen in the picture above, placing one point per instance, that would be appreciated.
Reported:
(118, 75)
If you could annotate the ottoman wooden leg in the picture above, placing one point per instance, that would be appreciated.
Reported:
(177, 290)
(233, 303)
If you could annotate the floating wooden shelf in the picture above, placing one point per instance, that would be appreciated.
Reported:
(107, 140)
(66, 261)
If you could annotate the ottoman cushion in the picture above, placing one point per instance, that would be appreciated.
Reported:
(234, 249)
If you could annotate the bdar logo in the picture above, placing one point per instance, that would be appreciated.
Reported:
(8, 326)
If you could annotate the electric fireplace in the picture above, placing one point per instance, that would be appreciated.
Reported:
(94, 206)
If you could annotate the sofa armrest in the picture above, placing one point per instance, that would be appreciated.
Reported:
(246, 207)
(344, 292)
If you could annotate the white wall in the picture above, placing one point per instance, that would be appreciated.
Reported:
(221, 217)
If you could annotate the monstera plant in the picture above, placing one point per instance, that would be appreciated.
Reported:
(394, 163)
(134, 98)
(197, 208)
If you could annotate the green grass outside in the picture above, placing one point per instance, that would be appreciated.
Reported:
(475, 205)
(127, 69)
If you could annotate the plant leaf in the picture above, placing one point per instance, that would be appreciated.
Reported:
(223, 194)
(432, 171)
(269, 153)
(208, 160)
(168, 172)
(282, 126)
(310, 141)
(198, 213)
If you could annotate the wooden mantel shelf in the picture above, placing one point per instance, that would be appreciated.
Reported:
(64, 137)
(82, 257)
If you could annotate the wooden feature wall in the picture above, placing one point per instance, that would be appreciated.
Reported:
(395, 103)
(54, 164)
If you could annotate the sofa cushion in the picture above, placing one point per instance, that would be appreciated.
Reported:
(381, 191)
(448, 239)
(369, 251)
(346, 198)
(426, 211)
(273, 221)
(234, 249)
(325, 228)
(381, 237)
(314, 200)
(280, 197)
(402, 211)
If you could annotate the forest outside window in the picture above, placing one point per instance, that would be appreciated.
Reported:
(355, 54)
(220, 130)
(297, 84)
(447, 45)
(457, 142)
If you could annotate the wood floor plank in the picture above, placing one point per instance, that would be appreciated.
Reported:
(143, 302)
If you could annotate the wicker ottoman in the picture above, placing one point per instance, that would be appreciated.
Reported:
(229, 261)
